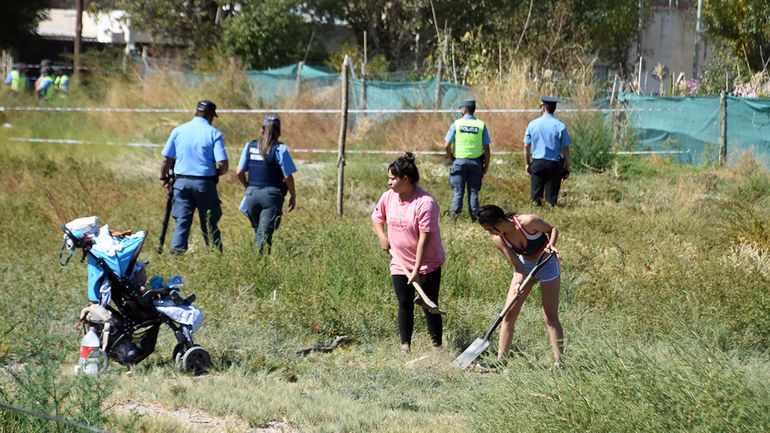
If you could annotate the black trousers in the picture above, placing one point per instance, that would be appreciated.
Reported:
(405, 295)
(545, 175)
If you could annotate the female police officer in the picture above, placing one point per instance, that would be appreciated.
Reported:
(266, 170)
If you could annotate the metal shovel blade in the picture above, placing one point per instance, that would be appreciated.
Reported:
(431, 309)
(471, 353)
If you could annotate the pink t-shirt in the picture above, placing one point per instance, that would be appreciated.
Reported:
(406, 219)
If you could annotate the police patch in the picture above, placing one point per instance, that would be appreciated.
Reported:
(469, 129)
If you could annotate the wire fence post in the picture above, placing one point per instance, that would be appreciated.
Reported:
(343, 132)
(439, 70)
(722, 128)
(299, 79)
(363, 76)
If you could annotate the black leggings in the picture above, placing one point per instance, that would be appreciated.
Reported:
(405, 294)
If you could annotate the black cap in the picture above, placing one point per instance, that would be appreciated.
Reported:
(207, 107)
(470, 103)
(271, 118)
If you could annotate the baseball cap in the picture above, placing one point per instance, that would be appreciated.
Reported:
(275, 119)
(207, 107)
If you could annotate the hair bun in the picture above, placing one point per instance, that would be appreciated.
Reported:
(409, 156)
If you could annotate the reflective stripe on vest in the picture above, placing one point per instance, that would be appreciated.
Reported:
(263, 173)
(469, 135)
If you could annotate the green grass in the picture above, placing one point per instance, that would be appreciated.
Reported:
(664, 303)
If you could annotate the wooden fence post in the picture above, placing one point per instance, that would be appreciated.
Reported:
(439, 70)
(722, 128)
(343, 133)
(363, 77)
(299, 79)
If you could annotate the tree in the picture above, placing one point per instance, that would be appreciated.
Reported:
(266, 33)
(189, 23)
(744, 25)
(20, 19)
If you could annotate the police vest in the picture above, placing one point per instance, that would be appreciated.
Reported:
(263, 172)
(17, 81)
(469, 135)
(64, 83)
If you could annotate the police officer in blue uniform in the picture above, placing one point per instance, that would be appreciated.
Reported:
(546, 153)
(266, 171)
(196, 152)
(467, 143)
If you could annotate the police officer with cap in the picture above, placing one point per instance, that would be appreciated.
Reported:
(467, 144)
(546, 153)
(266, 170)
(196, 152)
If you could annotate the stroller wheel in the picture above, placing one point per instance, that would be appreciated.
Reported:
(178, 353)
(196, 360)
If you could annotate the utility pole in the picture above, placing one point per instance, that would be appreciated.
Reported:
(696, 50)
(78, 38)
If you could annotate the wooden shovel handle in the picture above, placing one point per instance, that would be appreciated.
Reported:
(416, 285)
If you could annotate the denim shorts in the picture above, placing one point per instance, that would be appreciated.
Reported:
(550, 271)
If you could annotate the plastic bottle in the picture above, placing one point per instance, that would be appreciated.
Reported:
(89, 353)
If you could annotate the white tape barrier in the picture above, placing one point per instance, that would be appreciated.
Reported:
(334, 151)
(67, 141)
(317, 110)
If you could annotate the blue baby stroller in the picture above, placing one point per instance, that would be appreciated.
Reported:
(127, 313)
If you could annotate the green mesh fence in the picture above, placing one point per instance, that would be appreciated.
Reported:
(691, 124)
(276, 84)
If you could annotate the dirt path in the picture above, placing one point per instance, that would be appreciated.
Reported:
(198, 419)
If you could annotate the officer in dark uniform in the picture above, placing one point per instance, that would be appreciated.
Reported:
(196, 152)
(546, 153)
(467, 144)
(266, 170)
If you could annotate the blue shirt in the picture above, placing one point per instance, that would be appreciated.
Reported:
(45, 82)
(8, 79)
(450, 135)
(547, 135)
(282, 157)
(197, 147)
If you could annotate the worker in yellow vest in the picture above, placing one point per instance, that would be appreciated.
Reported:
(45, 87)
(16, 79)
(467, 143)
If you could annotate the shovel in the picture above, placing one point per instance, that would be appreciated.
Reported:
(423, 300)
(480, 345)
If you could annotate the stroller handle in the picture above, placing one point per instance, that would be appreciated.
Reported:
(70, 243)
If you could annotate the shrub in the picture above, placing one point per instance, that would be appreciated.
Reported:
(591, 143)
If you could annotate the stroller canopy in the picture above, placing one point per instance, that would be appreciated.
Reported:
(119, 254)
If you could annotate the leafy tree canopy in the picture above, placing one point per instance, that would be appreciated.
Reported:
(20, 19)
(267, 33)
(744, 25)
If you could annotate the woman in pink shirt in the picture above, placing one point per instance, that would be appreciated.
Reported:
(411, 215)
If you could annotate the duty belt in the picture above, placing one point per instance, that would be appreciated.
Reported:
(185, 176)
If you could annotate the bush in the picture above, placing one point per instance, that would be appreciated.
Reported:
(591, 143)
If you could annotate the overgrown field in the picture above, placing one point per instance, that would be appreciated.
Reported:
(665, 296)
